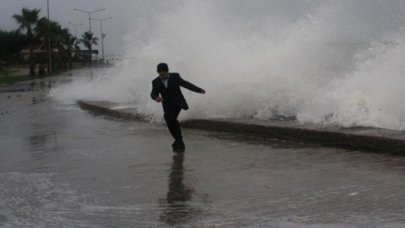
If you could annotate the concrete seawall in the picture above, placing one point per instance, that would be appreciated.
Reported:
(110, 109)
(366, 139)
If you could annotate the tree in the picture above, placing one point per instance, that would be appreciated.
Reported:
(41, 33)
(60, 35)
(11, 44)
(27, 20)
(88, 40)
(75, 48)
(61, 39)
(71, 45)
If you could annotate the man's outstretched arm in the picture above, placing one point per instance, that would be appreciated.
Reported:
(190, 86)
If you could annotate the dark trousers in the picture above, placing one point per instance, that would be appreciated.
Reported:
(171, 112)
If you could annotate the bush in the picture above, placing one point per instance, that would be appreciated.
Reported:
(11, 44)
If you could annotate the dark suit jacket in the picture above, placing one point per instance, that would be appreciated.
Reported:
(172, 95)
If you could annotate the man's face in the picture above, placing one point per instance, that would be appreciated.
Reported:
(163, 73)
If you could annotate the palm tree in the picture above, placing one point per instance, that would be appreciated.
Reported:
(74, 48)
(45, 26)
(72, 45)
(88, 40)
(41, 33)
(41, 30)
(65, 46)
(61, 39)
(27, 20)
(76, 45)
(58, 36)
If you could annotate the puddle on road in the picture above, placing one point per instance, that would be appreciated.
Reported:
(84, 171)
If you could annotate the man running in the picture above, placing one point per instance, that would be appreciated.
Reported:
(166, 90)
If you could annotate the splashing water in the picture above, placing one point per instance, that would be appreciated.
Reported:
(324, 62)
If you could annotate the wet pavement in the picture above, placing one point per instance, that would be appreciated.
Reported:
(61, 166)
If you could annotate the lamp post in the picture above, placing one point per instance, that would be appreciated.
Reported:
(102, 35)
(90, 13)
(49, 41)
(75, 27)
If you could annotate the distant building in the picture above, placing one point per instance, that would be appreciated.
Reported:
(81, 54)
(42, 53)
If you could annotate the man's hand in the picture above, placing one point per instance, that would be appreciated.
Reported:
(159, 99)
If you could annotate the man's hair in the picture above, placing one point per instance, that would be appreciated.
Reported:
(162, 67)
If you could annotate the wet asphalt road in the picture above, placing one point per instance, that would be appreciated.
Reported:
(64, 167)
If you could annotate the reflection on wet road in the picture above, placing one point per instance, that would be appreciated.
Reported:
(175, 208)
(63, 167)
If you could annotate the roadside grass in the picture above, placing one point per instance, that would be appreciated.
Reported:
(13, 75)
(7, 77)
(14, 79)
(4, 73)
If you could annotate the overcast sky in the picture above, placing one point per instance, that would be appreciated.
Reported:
(125, 12)
(129, 13)
(62, 12)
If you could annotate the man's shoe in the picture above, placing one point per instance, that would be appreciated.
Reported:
(178, 143)
(178, 146)
(175, 145)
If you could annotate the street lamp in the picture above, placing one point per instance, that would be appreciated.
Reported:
(75, 27)
(49, 41)
(90, 13)
(102, 35)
